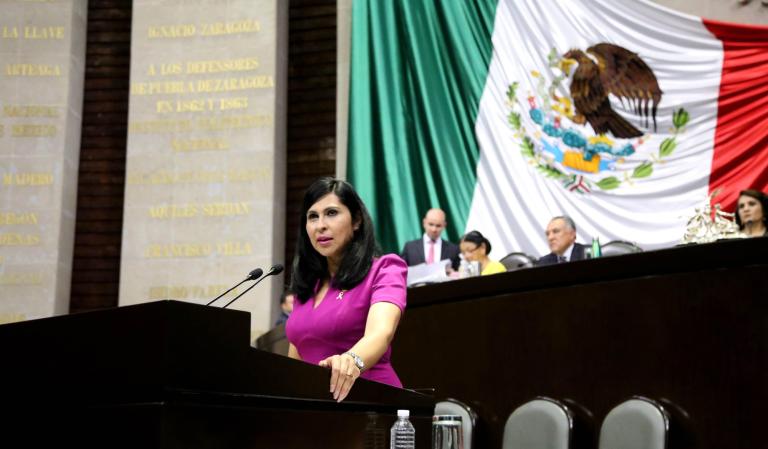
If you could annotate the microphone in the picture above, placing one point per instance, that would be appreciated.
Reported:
(276, 269)
(255, 274)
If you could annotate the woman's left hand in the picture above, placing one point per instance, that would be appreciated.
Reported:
(344, 372)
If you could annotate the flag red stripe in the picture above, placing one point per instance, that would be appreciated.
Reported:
(740, 158)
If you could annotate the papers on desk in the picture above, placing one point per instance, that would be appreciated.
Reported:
(428, 273)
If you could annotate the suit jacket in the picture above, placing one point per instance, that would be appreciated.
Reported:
(413, 252)
(551, 258)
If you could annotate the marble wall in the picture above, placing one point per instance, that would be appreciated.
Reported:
(205, 174)
(42, 55)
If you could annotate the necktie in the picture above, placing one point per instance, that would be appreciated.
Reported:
(431, 252)
(561, 259)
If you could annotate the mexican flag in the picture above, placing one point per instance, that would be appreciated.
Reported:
(621, 114)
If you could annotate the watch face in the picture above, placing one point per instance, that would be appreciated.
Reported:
(358, 361)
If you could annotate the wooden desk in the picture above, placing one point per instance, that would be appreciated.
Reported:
(687, 326)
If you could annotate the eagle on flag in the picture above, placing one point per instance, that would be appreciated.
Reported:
(609, 69)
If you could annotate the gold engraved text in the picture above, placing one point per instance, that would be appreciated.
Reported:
(213, 85)
(168, 250)
(201, 124)
(222, 65)
(30, 111)
(228, 28)
(15, 239)
(33, 130)
(194, 210)
(49, 32)
(190, 250)
(32, 70)
(11, 32)
(171, 31)
(28, 179)
(20, 218)
(234, 249)
(189, 145)
(205, 29)
(198, 177)
(188, 291)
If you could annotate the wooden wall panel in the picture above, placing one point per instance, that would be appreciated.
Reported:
(311, 135)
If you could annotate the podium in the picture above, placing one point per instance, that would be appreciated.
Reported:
(170, 374)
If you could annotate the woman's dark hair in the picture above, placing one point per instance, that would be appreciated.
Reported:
(760, 197)
(309, 266)
(478, 239)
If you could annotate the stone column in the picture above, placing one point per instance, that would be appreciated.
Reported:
(42, 55)
(205, 175)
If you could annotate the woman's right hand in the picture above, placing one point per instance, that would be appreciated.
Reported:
(344, 372)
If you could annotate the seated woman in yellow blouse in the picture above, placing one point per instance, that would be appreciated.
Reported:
(475, 248)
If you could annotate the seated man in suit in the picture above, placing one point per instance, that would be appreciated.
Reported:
(430, 247)
(561, 236)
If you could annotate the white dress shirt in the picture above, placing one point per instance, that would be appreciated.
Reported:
(568, 252)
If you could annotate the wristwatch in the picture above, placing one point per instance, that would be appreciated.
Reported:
(358, 361)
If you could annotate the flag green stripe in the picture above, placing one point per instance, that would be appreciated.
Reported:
(418, 69)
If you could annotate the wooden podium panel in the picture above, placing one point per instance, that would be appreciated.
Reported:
(170, 374)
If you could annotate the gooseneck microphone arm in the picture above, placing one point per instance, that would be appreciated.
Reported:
(276, 269)
(254, 274)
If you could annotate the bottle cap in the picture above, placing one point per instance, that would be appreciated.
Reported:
(403, 413)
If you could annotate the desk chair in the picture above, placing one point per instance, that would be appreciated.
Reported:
(516, 261)
(638, 423)
(543, 423)
(452, 406)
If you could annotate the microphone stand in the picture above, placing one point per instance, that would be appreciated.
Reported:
(276, 269)
(252, 275)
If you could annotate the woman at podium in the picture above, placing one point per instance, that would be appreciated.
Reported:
(348, 298)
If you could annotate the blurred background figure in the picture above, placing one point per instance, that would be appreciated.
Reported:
(751, 213)
(475, 248)
(286, 307)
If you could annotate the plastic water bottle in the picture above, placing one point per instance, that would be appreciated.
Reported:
(464, 269)
(596, 250)
(375, 434)
(402, 435)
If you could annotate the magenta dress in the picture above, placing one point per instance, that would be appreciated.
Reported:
(339, 321)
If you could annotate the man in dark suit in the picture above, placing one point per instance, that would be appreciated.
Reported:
(561, 236)
(430, 247)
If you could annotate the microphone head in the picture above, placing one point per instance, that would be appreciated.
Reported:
(255, 274)
(276, 269)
